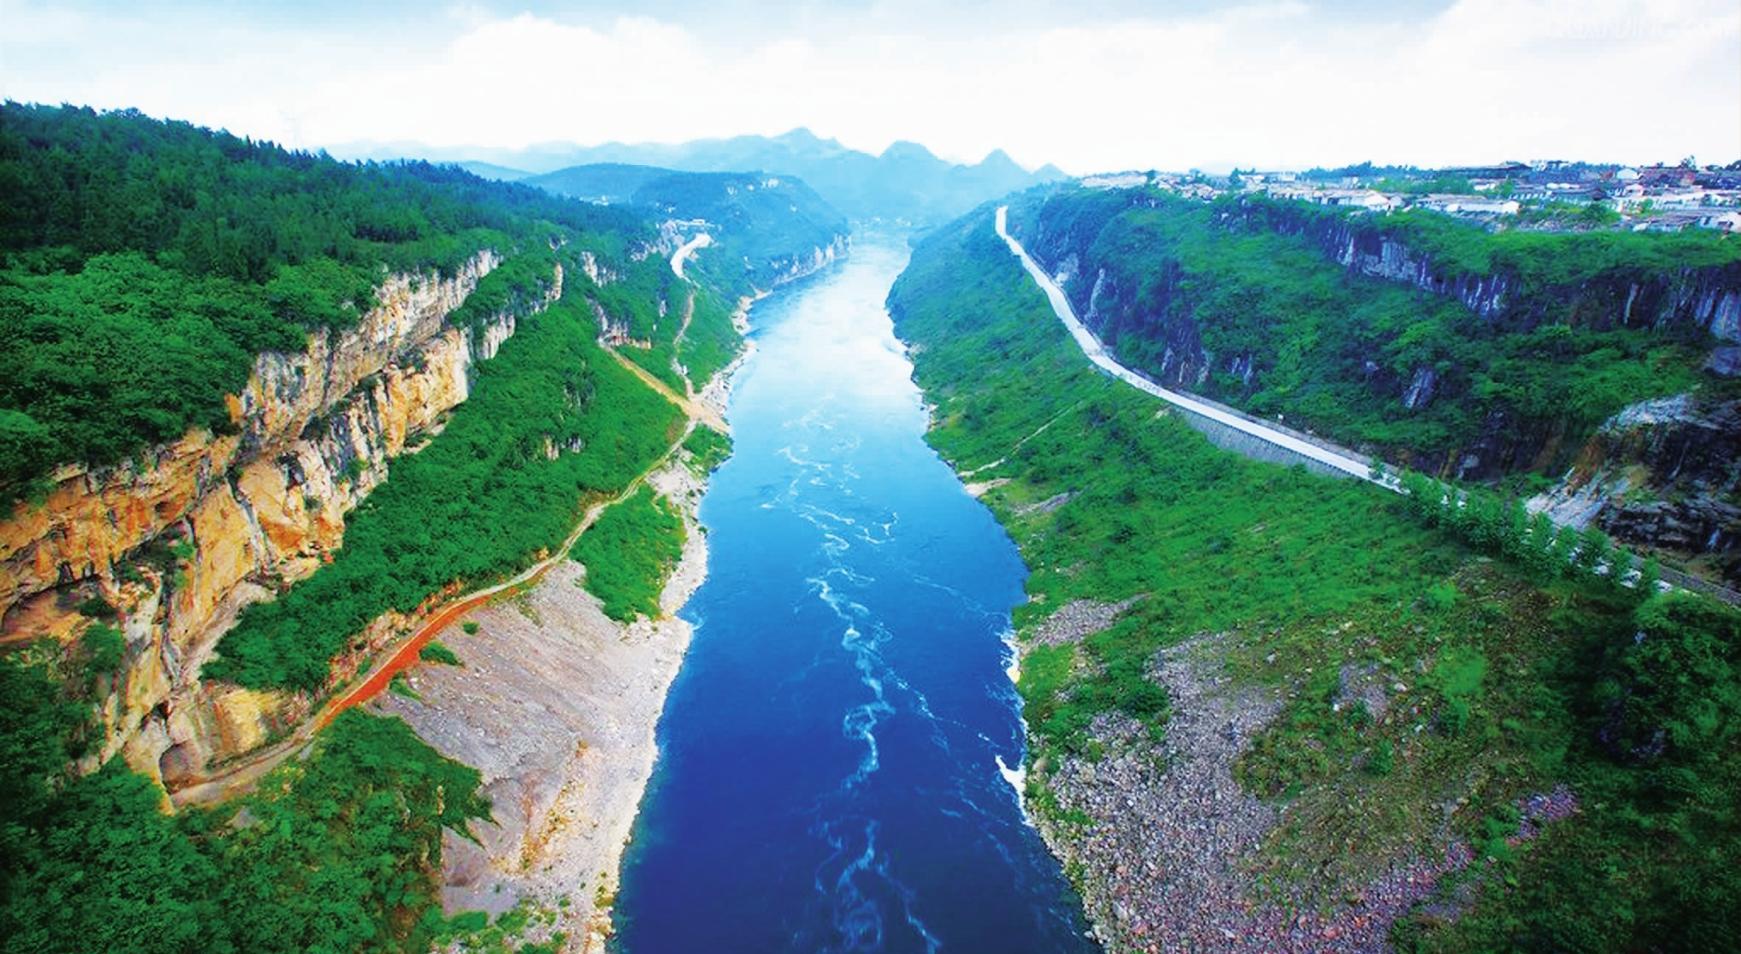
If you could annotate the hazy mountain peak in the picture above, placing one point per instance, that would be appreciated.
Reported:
(999, 160)
(905, 150)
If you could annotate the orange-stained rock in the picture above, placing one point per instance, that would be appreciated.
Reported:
(265, 504)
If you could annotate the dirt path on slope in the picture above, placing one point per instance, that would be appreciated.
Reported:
(237, 776)
(695, 409)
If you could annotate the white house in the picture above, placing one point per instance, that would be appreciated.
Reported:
(1357, 198)
(1469, 204)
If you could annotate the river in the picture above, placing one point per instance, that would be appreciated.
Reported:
(831, 772)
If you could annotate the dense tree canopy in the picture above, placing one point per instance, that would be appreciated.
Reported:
(144, 264)
(333, 853)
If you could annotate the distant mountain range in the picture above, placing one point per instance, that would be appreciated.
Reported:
(489, 170)
(906, 182)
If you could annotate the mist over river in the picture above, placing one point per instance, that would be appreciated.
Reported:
(831, 770)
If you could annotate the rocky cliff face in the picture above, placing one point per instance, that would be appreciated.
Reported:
(1662, 474)
(1153, 306)
(1108, 304)
(788, 269)
(1705, 298)
(181, 539)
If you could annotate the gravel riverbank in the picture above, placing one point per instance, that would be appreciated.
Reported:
(1165, 841)
(556, 705)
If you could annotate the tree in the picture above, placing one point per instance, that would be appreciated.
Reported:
(1649, 578)
(1516, 542)
(1564, 549)
(1539, 554)
(1594, 549)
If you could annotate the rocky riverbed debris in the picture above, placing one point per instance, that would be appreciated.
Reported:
(1076, 621)
(1165, 858)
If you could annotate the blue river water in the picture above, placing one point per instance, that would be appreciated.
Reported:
(830, 774)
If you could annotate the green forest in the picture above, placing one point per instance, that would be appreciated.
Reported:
(630, 552)
(1336, 351)
(1525, 671)
(144, 264)
(332, 853)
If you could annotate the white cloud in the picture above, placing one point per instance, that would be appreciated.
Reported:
(1267, 84)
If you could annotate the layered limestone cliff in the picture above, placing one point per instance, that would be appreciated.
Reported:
(1621, 295)
(1156, 305)
(1631, 478)
(182, 538)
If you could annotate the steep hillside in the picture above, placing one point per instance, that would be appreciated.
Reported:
(607, 183)
(261, 411)
(767, 229)
(1270, 711)
(1437, 344)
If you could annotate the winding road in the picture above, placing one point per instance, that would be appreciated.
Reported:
(686, 251)
(1339, 459)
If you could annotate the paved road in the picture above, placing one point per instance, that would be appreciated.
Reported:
(688, 249)
(1345, 461)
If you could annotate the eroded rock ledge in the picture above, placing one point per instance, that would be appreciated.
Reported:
(180, 539)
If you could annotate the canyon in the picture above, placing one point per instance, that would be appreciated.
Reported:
(511, 591)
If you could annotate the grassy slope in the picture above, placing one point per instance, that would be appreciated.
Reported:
(706, 346)
(630, 552)
(340, 851)
(1306, 576)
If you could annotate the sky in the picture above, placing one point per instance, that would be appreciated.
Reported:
(1091, 85)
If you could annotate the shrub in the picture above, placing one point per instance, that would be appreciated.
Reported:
(1674, 687)
(105, 648)
(438, 653)
(96, 608)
